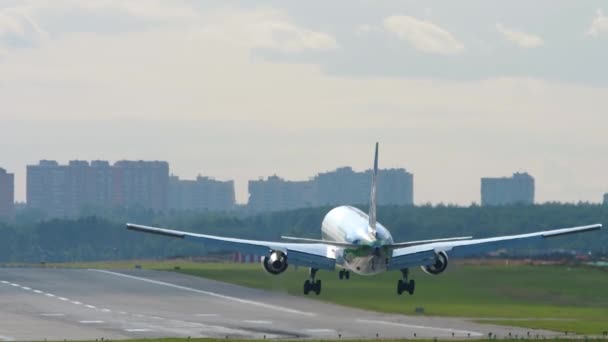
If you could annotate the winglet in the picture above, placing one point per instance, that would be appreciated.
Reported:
(372, 200)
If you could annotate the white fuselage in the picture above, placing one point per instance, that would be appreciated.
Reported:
(351, 225)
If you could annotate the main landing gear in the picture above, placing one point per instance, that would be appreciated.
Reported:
(311, 284)
(344, 274)
(404, 285)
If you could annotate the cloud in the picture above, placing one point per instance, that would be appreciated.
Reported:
(255, 28)
(18, 30)
(520, 38)
(599, 25)
(265, 28)
(423, 35)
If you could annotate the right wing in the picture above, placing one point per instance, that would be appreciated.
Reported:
(316, 255)
(425, 254)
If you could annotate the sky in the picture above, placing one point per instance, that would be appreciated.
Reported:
(453, 91)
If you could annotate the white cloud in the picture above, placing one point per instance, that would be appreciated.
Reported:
(599, 25)
(264, 28)
(18, 29)
(520, 38)
(423, 35)
(253, 28)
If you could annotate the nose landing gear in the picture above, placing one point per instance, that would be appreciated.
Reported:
(311, 284)
(405, 285)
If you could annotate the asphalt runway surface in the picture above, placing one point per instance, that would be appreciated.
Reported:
(58, 304)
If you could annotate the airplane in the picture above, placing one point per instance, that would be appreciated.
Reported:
(355, 241)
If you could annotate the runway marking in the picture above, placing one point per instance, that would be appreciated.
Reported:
(122, 312)
(3, 281)
(137, 330)
(253, 321)
(49, 295)
(412, 326)
(206, 315)
(63, 299)
(106, 310)
(25, 288)
(91, 322)
(156, 317)
(37, 291)
(52, 314)
(139, 315)
(91, 306)
(209, 293)
(15, 285)
(76, 302)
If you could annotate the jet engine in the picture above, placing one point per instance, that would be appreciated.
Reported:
(441, 263)
(275, 262)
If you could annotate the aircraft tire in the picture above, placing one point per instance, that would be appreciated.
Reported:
(411, 286)
(341, 274)
(307, 287)
(400, 286)
(317, 288)
(347, 274)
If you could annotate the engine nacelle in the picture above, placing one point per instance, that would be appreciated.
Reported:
(441, 263)
(275, 262)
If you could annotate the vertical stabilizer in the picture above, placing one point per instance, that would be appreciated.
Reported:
(372, 199)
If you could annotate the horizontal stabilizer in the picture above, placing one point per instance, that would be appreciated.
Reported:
(331, 243)
(422, 242)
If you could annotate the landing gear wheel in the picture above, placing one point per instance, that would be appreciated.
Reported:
(311, 284)
(400, 287)
(347, 274)
(404, 285)
(411, 286)
(307, 287)
(341, 274)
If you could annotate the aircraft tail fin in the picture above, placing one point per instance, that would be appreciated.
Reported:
(372, 200)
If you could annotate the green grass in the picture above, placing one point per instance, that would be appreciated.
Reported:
(559, 298)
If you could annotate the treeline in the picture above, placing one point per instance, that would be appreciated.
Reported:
(105, 238)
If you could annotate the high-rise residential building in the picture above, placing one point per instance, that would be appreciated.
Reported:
(7, 194)
(100, 184)
(275, 194)
(342, 186)
(345, 186)
(203, 193)
(66, 190)
(47, 188)
(143, 184)
(518, 189)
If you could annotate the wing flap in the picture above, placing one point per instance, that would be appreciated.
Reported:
(406, 260)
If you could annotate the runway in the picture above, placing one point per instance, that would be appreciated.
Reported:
(58, 304)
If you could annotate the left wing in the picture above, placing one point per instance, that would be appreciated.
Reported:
(425, 254)
(316, 255)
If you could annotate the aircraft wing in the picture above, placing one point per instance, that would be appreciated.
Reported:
(316, 255)
(424, 254)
